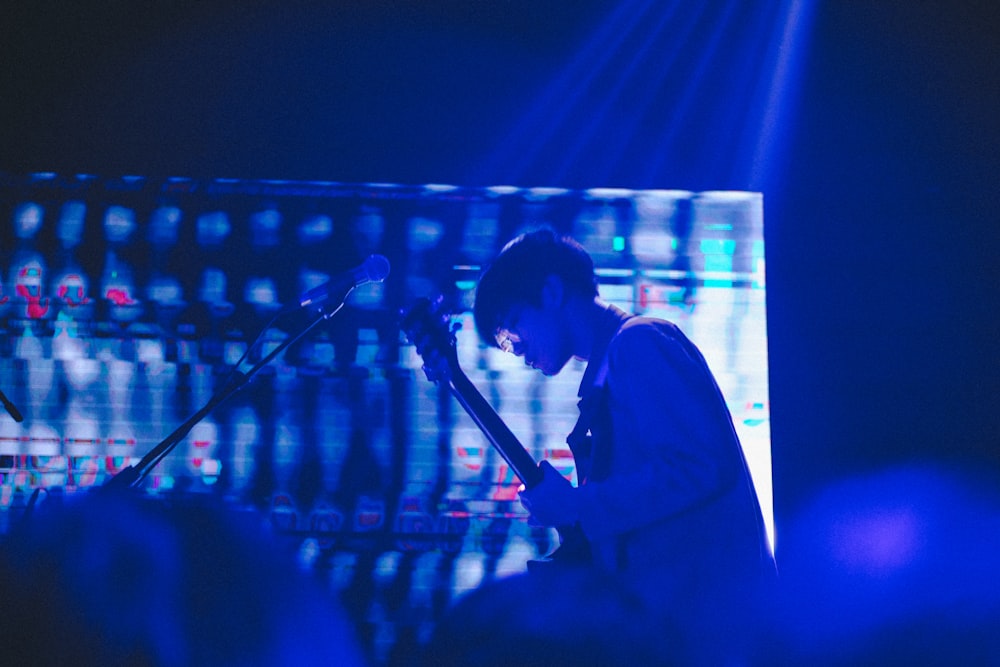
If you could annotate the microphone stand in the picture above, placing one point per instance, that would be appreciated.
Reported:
(11, 409)
(133, 476)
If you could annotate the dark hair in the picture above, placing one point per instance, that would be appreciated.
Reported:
(518, 273)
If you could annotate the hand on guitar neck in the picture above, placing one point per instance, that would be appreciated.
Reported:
(551, 501)
(429, 329)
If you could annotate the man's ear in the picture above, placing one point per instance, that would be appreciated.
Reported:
(553, 292)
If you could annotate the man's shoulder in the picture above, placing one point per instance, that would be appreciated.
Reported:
(640, 335)
(651, 346)
(641, 326)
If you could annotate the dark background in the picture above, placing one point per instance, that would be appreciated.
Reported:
(881, 229)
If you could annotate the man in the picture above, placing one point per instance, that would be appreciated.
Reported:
(664, 496)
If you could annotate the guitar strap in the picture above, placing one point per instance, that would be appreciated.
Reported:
(590, 439)
(592, 460)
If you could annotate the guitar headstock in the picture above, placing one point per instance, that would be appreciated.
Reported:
(428, 327)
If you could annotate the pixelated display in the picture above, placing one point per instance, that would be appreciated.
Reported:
(126, 302)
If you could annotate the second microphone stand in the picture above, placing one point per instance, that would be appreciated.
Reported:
(133, 476)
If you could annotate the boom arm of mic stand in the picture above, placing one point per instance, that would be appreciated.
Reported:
(133, 475)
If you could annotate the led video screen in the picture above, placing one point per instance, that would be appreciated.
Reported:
(127, 302)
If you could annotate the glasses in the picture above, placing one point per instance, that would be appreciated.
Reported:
(508, 341)
(506, 337)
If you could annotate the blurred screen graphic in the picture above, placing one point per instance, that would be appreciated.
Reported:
(125, 302)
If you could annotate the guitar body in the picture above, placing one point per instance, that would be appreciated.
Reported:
(428, 328)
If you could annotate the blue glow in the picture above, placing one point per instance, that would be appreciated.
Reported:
(562, 97)
(542, 193)
(28, 220)
(315, 228)
(501, 190)
(609, 193)
(439, 188)
(626, 117)
(212, 228)
(265, 226)
(163, 225)
(667, 91)
(687, 103)
(786, 59)
(71, 220)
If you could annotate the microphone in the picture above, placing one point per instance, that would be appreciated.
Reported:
(372, 270)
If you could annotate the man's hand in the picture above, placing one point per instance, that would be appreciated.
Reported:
(553, 502)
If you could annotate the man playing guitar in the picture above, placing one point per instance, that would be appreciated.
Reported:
(665, 497)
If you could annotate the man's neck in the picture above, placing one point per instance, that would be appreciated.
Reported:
(586, 317)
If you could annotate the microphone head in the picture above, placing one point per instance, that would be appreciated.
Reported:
(376, 268)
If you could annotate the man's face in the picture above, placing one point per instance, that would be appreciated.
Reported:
(537, 334)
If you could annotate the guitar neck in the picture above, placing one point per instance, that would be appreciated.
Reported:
(493, 427)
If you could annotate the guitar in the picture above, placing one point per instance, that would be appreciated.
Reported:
(428, 328)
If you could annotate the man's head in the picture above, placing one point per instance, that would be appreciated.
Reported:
(520, 299)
